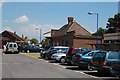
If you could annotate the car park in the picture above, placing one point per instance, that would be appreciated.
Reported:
(11, 47)
(52, 50)
(71, 52)
(115, 67)
(83, 59)
(60, 55)
(102, 61)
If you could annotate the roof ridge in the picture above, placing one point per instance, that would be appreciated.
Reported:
(83, 28)
(15, 35)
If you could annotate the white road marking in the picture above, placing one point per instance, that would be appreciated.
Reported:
(82, 72)
(85, 74)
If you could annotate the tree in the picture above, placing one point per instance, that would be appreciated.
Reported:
(34, 41)
(101, 31)
(45, 42)
(113, 23)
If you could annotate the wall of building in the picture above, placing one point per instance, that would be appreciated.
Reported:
(85, 43)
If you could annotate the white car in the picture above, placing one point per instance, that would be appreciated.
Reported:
(60, 55)
(11, 47)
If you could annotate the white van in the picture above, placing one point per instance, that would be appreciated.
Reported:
(11, 47)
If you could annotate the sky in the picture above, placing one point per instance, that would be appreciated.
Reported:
(24, 17)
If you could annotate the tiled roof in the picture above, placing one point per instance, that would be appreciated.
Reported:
(14, 35)
(74, 26)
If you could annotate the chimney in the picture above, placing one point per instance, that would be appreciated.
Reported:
(70, 19)
(26, 38)
(22, 36)
(14, 32)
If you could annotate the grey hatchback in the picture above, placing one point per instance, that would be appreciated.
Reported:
(102, 61)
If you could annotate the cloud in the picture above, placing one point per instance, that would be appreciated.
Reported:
(31, 31)
(22, 19)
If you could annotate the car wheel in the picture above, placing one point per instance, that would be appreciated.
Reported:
(89, 67)
(28, 51)
(46, 57)
(72, 63)
(62, 60)
(22, 51)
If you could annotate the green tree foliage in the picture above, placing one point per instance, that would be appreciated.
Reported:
(101, 31)
(45, 41)
(113, 23)
(34, 41)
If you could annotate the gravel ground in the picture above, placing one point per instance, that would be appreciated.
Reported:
(33, 55)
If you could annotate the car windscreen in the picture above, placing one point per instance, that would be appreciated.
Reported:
(81, 51)
(100, 55)
(61, 50)
(114, 55)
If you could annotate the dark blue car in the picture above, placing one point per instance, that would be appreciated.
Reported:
(83, 59)
(31, 48)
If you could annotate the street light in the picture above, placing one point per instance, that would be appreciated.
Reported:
(40, 33)
(92, 13)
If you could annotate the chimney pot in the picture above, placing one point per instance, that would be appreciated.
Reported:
(70, 19)
(14, 32)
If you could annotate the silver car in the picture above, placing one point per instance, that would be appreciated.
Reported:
(60, 55)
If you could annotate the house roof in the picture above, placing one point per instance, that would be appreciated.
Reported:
(14, 35)
(3, 38)
(74, 26)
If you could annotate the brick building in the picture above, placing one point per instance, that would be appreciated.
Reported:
(7, 36)
(73, 35)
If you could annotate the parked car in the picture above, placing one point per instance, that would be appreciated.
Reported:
(30, 48)
(83, 59)
(52, 50)
(60, 55)
(42, 51)
(71, 52)
(69, 55)
(11, 47)
(115, 67)
(102, 61)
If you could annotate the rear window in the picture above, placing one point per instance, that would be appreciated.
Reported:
(15, 45)
(10, 45)
(113, 55)
(90, 53)
(100, 55)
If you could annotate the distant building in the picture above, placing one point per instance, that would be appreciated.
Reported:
(7, 36)
(73, 35)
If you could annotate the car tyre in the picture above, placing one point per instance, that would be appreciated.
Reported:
(46, 57)
(28, 51)
(89, 67)
(62, 60)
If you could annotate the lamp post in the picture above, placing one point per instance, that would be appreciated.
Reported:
(92, 13)
(40, 33)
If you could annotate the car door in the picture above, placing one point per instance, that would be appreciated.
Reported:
(116, 63)
(112, 57)
(98, 58)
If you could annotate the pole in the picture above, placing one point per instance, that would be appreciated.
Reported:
(40, 35)
(97, 34)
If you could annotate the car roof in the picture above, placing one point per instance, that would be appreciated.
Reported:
(60, 47)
